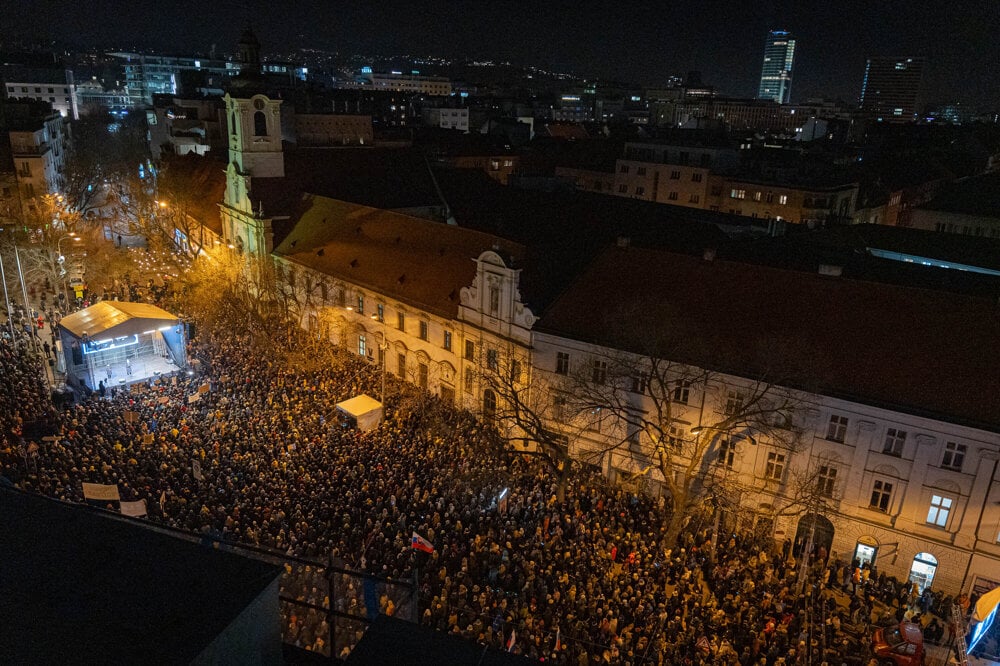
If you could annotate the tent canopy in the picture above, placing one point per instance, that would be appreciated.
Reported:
(364, 409)
(112, 319)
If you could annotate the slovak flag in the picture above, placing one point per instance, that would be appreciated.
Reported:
(421, 543)
(512, 641)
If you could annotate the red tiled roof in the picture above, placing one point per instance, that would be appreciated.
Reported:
(917, 351)
(416, 261)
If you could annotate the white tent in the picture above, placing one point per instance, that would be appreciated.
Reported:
(364, 410)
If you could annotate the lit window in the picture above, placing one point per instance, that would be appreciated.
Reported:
(783, 199)
(361, 304)
(881, 496)
(894, 440)
(836, 431)
(775, 466)
(362, 345)
(954, 455)
(940, 508)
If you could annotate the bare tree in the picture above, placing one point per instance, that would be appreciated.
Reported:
(530, 408)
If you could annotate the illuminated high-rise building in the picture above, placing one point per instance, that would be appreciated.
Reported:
(891, 88)
(776, 73)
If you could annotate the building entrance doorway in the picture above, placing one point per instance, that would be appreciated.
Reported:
(922, 570)
(819, 528)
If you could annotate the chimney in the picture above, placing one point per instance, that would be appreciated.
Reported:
(831, 270)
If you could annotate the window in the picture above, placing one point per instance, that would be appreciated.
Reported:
(826, 480)
(361, 304)
(259, 124)
(675, 437)
(492, 359)
(623, 189)
(694, 198)
(783, 199)
(470, 350)
(447, 340)
(640, 171)
(623, 168)
(682, 391)
(716, 190)
(559, 407)
(362, 345)
(489, 403)
(341, 298)
(423, 330)
(401, 321)
(401, 365)
(940, 508)
(494, 300)
(836, 430)
(598, 371)
(640, 382)
(696, 177)
(894, 440)
(448, 395)
(954, 455)
(672, 196)
(640, 191)
(737, 194)
(734, 402)
(775, 466)
(756, 196)
(515, 371)
(881, 496)
(422, 375)
(675, 175)
(727, 452)
(379, 312)
(470, 380)
(769, 197)
(562, 363)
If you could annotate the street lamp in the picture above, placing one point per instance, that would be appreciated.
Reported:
(383, 348)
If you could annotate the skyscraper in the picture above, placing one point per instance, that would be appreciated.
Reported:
(891, 88)
(776, 74)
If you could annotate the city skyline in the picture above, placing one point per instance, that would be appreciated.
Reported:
(722, 41)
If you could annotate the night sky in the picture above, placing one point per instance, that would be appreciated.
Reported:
(639, 42)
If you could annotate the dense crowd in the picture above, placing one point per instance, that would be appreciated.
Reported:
(262, 458)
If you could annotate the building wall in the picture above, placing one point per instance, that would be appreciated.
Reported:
(333, 130)
(918, 473)
(663, 183)
(955, 223)
(62, 96)
(799, 205)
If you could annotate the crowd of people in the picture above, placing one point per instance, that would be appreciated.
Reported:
(250, 450)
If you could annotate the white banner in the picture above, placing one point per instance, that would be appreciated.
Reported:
(100, 491)
(136, 509)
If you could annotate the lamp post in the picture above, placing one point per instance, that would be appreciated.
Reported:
(383, 347)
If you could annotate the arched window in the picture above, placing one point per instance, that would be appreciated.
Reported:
(259, 123)
(489, 403)
(923, 569)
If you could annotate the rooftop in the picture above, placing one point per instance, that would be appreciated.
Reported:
(913, 350)
(979, 195)
(80, 584)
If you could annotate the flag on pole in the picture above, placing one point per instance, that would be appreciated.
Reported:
(512, 641)
(421, 543)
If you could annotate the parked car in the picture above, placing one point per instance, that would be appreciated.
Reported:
(900, 645)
